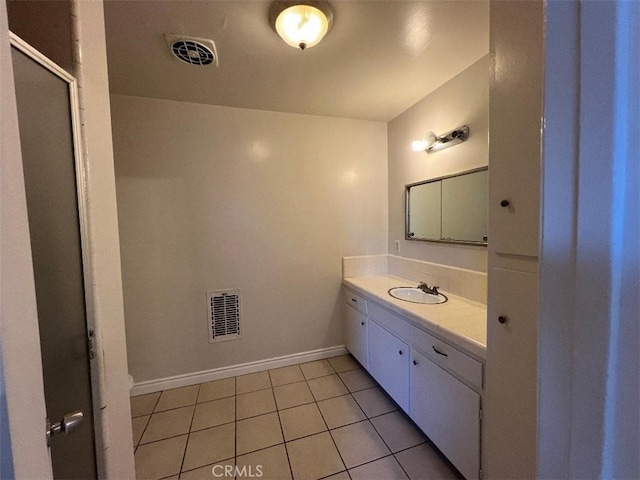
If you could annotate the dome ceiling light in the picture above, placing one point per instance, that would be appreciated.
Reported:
(301, 24)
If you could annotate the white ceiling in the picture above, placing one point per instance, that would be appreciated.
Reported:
(380, 57)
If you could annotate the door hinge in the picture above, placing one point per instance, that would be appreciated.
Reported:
(90, 342)
(480, 414)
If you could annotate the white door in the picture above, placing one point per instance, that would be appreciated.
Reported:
(44, 102)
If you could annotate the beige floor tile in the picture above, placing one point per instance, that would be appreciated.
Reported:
(397, 431)
(138, 425)
(217, 389)
(258, 432)
(340, 411)
(425, 463)
(301, 421)
(168, 424)
(209, 446)
(214, 413)
(255, 403)
(144, 404)
(252, 382)
(207, 473)
(386, 468)
(285, 375)
(177, 397)
(374, 402)
(314, 457)
(327, 387)
(316, 369)
(292, 395)
(359, 443)
(339, 476)
(343, 363)
(356, 380)
(268, 464)
(160, 459)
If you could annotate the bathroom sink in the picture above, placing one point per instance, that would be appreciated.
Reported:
(415, 295)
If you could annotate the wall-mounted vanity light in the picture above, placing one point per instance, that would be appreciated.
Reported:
(303, 23)
(432, 142)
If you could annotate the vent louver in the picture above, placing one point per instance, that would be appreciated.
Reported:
(193, 50)
(224, 315)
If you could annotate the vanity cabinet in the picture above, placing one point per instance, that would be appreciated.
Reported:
(448, 412)
(356, 332)
(437, 384)
(389, 362)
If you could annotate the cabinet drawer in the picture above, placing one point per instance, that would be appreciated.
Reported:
(449, 358)
(392, 322)
(356, 301)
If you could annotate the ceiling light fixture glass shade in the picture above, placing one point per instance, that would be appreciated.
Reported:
(432, 142)
(303, 25)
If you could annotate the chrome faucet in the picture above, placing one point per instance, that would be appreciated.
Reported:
(425, 288)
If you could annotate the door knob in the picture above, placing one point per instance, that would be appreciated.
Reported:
(504, 203)
(69, 423)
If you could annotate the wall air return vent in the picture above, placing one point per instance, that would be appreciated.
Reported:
(192, 50)
(224, 315)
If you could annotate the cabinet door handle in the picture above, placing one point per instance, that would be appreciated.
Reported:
(415, 362)
(504, 203)
(502, 319)
(438, 351)
(354, 300)
(361, 323)
(399, 352)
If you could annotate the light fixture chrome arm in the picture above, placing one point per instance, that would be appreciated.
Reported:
(433, 143)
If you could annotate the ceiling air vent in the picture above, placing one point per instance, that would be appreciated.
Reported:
(192, 50)
(224, 315)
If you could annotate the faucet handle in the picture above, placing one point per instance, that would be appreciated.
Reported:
(434, 289)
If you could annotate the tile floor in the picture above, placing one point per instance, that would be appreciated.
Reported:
(323, 419)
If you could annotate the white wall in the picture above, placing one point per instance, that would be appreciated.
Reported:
(462, 100)
(216, 197)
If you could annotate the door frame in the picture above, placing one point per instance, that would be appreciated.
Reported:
(83, 222)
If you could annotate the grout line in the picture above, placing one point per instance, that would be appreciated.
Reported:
(142, 434)
(284, 440)
(333, 440)
(235, 421)
(186, 445)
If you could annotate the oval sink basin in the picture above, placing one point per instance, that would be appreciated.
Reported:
(415, 295)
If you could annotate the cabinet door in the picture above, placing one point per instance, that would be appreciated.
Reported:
(517, 44)
(356, 335)
(510, 404)
(389, 363)
(448, 412)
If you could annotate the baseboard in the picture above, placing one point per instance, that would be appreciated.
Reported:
(160, 384)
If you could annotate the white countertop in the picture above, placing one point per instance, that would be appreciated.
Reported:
(459, 321)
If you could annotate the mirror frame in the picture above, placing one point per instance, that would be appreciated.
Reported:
(407, 214)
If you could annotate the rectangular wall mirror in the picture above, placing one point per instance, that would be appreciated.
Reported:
(450, 209)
